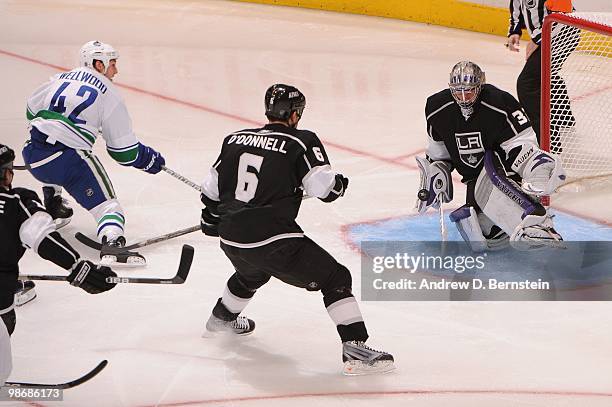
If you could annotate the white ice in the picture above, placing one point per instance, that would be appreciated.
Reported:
(193, 71)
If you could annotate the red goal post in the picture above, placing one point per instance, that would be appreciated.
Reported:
(576, 100)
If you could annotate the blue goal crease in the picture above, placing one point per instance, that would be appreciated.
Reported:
(427, 228)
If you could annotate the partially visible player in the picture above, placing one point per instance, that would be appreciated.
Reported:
(483, 133)
(252, 196)
(530, 14)
(24, 223)
(66, 116)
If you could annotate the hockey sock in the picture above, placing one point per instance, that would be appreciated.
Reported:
(348, 319)
(236, 295)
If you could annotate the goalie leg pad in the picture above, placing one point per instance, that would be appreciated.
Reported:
(436, 184)
(501, 200)
(466, 220)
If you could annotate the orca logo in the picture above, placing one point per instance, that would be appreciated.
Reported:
(470, 147)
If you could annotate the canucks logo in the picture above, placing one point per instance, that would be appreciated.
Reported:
(470, 148)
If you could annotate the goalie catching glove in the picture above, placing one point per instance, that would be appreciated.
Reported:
(91, 277)
(436, 184)
(541, 171)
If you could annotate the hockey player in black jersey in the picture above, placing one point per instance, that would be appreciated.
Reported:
(25, 223)
(483, 133)
(252, 196)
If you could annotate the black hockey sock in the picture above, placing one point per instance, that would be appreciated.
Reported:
(220, 311)
(353, 332)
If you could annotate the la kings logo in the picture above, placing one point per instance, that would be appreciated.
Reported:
(471, 150)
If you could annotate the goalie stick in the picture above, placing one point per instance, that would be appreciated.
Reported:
(67, 385)
(98, 246)
(180, 277)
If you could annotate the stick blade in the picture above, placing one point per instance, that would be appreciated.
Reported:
(184, 264)
(67, 385)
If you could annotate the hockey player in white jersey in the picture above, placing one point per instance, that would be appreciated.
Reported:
(67, 114)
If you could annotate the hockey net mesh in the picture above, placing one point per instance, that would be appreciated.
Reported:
(581, 95)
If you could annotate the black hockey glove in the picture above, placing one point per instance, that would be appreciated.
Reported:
(91, 277)
(338, 190)
(209, 223)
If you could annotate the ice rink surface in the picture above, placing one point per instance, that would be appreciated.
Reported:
(192, 72)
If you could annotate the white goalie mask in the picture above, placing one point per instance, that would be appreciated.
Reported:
(465, 83)
(96, 50)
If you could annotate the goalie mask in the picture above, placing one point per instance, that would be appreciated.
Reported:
(7, 156)
(97, 51)
(282, 100)
(465, 83)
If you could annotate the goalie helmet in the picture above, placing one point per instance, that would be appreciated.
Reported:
(7, 156)
(282, 100)
(465, 83)
(97, 51)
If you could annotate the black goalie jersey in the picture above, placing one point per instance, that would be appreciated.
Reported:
(497, 123)
(258, 181)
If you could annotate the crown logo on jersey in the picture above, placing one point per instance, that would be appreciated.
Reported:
(470, 148)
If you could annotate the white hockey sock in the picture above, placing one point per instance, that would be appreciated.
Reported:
(345, 311)
(233, 303)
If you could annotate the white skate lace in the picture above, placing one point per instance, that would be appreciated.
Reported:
(240, 323)
(364, 346)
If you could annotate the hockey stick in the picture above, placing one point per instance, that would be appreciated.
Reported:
(98, 246)
(21, 167)
(181, 178)
(180, 277)
(193, 184)
(67, 385)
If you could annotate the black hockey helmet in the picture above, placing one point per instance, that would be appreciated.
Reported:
(282, 100)
(7, 156)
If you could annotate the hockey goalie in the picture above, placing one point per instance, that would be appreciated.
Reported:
(484, 134)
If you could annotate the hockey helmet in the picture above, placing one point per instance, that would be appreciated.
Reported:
(282, 100)
(7, 156)
(465, 83)
(96, 50)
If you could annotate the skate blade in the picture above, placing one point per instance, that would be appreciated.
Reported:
(209, 333)
(131, 262)
(25, 297)
(358, 368)
(61, 222)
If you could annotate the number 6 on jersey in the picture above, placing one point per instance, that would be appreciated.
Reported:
(247, 180)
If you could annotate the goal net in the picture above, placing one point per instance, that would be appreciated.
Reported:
(576, 110)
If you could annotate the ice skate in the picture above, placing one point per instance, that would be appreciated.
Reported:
(111, 254)
(57, 207)
(240, 326)
(359, 359)
(223, 320)
(25, 292)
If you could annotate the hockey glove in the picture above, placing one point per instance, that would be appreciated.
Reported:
(91, 277)
(209, 223)
(340, 185)
(436, 186)
(149, 160)
(541, 171)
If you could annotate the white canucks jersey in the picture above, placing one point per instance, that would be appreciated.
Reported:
(75, 106)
